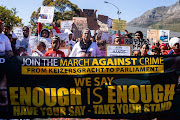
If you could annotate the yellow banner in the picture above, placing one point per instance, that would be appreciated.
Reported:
(35, 70)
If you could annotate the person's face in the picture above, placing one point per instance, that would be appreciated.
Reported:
(163, 49)
(55, 44)
(136, 53)
(63, 44)
(6, 30)
(137, 36)
(156, 43)
(25, 32)
(86, 35)
(44, 34)
(70, 36)
(144, 50)
(176, 46)
(117, 41)
(40, 48)
(1, 28)
(98, 39)
(110, 40)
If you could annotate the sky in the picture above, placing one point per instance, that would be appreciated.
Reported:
(129, 9)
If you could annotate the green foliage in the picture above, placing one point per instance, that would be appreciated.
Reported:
(9, 17)
(48, 27)
(64, 10)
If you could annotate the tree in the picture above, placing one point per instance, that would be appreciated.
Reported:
(64, 10)
(9, 17)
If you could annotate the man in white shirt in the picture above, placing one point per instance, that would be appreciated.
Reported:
(85, 47)
(5, 45)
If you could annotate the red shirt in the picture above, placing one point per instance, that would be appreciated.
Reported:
(54, 53)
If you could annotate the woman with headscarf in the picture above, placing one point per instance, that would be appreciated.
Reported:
(174, 44)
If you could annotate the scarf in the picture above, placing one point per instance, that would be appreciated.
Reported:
(85, 46)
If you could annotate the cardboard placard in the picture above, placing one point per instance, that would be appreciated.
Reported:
(66, 24)
(79, 23)
(152, 35)
(118, 50)
(103, 19)
(119, 25)
(46, 14)
(90, 14)
(103, 26)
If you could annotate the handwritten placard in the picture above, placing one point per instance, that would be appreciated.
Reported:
(90, 14)
(18, 32)
(66, 25)
(119, 25)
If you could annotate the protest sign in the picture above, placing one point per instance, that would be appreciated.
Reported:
(108, 38)
(136, 43)
(164, 36)
(109, 87)
(103, 26)
(66, 24)
(33, 40)
(64, 37)
(46, 14)
(119, 50)
(152, 35)
(103, 19)
(119, 24)
(90, 14)
(18, 32)
(109, 23)
(79, 23)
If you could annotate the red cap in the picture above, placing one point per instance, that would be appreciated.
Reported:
(1, 22)
(117, 35)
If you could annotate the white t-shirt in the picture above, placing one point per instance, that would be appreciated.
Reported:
(93, 51)
(22, 43)
(5, 44)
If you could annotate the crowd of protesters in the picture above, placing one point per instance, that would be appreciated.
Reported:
(87, 46)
